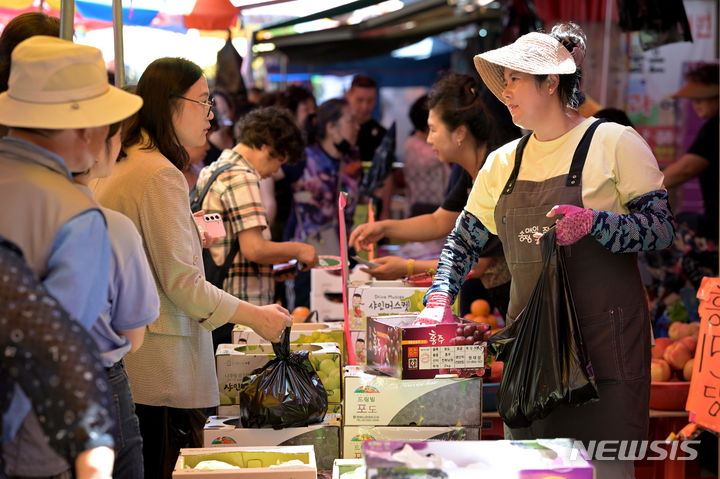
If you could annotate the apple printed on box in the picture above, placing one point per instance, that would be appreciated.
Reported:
(399, 348)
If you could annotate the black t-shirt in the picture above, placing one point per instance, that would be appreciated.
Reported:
(369, 137)
(456, 199)
(457, 196)
(706, 145)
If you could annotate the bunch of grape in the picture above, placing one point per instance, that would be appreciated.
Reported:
(393, 345)
(469, 334)
(328, 370)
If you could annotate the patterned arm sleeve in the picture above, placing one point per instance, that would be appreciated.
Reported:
(649, 225)
(50, 355)
(459, 254)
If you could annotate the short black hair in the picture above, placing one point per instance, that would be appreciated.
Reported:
(363, 81)
(21, 28)
(274, 127)
(293, 96)
(419, 114)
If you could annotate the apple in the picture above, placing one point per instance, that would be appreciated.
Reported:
(677, 354)
(694, 327)
(660, 345)
(659, 370)
(679, 330)
(688, 369)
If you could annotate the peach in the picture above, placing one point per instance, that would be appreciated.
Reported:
(690, 342)
(688, 369)
(677, 354)
(659, 370)
(678, 330)
(496, 372)
(660, 345)
(694, 327)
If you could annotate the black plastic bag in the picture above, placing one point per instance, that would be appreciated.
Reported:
(286, 392)
(545, 360)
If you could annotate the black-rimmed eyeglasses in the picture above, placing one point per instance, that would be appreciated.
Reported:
(209, 103)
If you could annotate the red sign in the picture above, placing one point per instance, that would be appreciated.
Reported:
(704, 398)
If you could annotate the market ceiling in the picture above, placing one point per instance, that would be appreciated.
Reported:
(372, 37)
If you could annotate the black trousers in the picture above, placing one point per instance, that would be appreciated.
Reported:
(164, 431)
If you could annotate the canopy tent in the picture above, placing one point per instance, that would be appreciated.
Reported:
(372, 37)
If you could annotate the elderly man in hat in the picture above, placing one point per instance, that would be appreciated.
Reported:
(58, 108)
(701, 159)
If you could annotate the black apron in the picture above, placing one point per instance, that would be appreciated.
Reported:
(609, 299)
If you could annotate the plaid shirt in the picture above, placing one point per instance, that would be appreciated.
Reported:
(235, 194)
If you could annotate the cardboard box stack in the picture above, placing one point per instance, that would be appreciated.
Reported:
(223, 431)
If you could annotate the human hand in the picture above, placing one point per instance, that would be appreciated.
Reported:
(272, 321)
(307, 257)
(364, 236)
(95, 463)
(391, 267)
(576, 224)
(207, 240)
(479, 269)
(437, 310)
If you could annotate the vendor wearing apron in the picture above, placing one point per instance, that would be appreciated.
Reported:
(601, 184)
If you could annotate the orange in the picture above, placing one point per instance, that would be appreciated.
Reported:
(470, 317)
(480, 307)
(300, 313)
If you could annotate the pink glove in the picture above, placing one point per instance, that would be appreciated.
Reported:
(437, 310)
(576, 224)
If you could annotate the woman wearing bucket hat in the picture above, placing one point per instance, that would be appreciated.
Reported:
(172, 376)
(604, 182)
(701, 159)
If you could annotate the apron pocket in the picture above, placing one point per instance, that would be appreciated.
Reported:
(634, 336)
(522, 224)
(599, 333)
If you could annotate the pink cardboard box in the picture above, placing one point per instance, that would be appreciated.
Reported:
(534, 459)
(398, 348)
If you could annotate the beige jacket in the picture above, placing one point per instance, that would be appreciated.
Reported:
(175, 366)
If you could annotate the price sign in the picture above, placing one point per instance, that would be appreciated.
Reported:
(704, 398)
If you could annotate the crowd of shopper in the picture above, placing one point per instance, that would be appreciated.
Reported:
(100, 178)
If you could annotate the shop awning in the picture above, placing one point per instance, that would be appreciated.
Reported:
(369, 38)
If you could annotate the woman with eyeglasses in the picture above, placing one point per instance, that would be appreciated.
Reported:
(172, 376)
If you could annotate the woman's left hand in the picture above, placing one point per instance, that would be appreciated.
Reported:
(391, 267)
(576, 224)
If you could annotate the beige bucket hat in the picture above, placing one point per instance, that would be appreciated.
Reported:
(57, 84)
(534, 53)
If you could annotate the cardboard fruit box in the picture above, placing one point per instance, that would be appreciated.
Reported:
(398, 348)
(234, 362)
(386, 401)
(354, 436)
(300, 333)
(540, 458)
(222, 431)
(375, 298)
(280, 462)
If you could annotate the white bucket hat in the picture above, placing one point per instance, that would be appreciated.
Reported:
(57, 84)
(534, 53)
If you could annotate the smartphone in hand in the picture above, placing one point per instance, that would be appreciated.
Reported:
(365, 262)
(212, 224)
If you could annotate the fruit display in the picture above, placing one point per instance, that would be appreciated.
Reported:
(672, 357)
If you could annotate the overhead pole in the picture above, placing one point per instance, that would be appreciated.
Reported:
(117, 14)
(67, 17)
